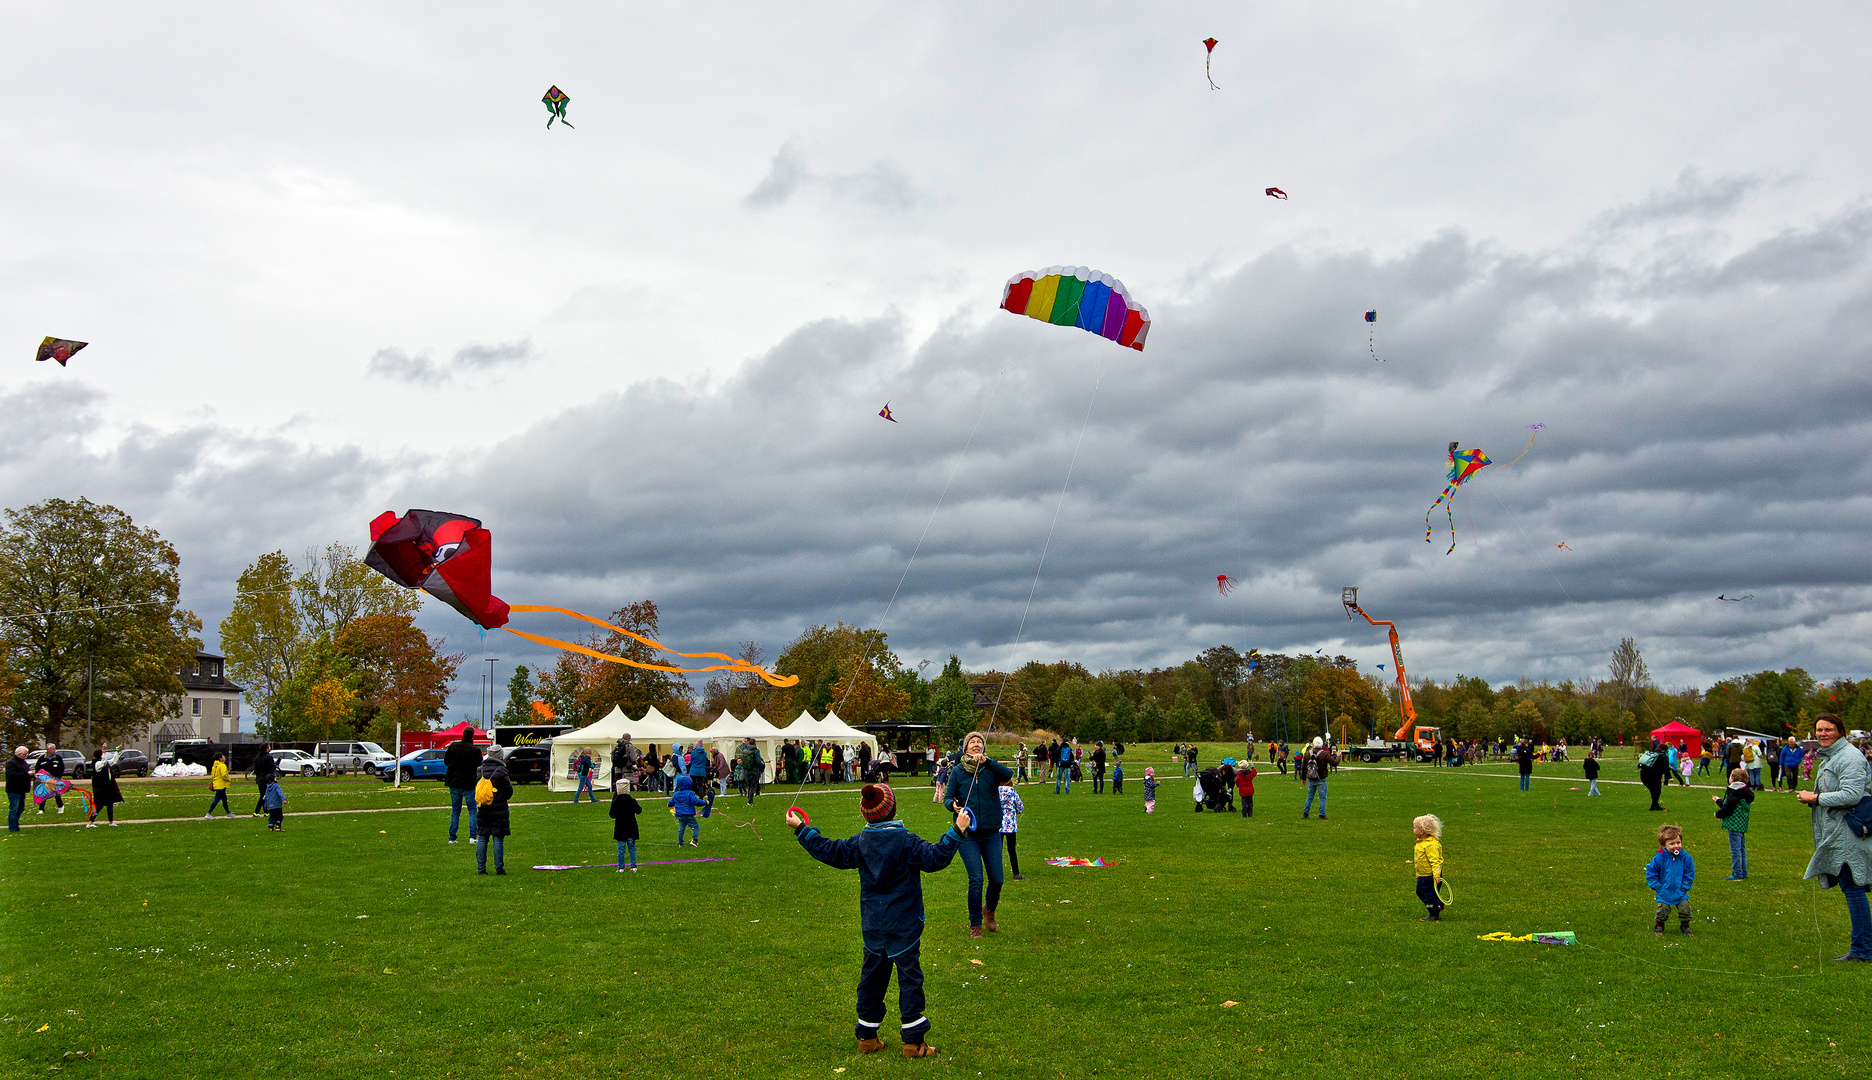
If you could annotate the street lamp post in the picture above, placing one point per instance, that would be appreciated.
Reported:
(488, 714)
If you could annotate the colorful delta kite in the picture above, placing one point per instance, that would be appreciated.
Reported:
(1061, 860)
(58, 348)
(1463, 464)
(1076, 296)
(886, 413)
(1209, 44)
(1276, 193)
(1551, 937)
(556, 102)
(450, 556)
(1225, 584)
(46, 786)
(1372, 318)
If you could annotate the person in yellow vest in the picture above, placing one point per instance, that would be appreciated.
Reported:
(825, 763)
(218, 781)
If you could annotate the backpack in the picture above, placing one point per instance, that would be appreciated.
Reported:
(1748, 753)
(1648, 759)
(1859, 818)
(484, 792)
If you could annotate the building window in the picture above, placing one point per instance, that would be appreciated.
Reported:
(196, 706)
(227, 707)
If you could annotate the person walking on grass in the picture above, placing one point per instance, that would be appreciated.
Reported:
(1098, 768)
(1524, 761)
(493, 788)
(1670, 874)
(1428, 857)
(1244, 786)
(1792, 753)
(1118, 777)
(264, 769)
(1591, 765)
(1651, 766)
(890, 860)
(275, 799)
(1062, 769)
(18, 786)
(684, 802)
(624, 811)
(1150, 790)
(1841, 779)
(585, 770)
(218, 784)
(973, 786)
(105, 793)
(1732, 809)
(460, 762)
(1316, 765)
(1011, 810)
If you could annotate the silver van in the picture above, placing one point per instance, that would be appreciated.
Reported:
(365, 757)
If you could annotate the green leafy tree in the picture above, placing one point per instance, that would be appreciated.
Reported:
(1123, 725)
(953, 711)
(1190, 719)
(520, 697)
(336, 588)
(843, 646)
(1075, 708)
(89, 590)
(263, 636)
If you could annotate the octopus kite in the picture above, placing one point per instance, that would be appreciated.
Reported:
(58, 348)
(1209, 44)
(1225, 584)
(1463, 464)
(450, 556)
(556, 102)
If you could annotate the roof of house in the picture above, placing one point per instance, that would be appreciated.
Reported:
(207, 672)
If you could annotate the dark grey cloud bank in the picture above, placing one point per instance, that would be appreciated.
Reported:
(1706, 409)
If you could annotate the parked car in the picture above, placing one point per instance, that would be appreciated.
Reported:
(76, 767)
(417, 765)
(298, 761)
(132, 761)
(341, 757)
(529, 764)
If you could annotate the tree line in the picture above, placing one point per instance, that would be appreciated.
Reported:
(91, 629)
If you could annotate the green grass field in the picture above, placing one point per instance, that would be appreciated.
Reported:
(361, 944)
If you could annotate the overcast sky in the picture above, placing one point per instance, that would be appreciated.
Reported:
(331, 262)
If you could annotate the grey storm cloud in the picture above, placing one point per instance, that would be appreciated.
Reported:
(1707, 431)
(396, 363)
(882, 186)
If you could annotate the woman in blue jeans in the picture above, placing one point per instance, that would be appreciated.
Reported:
(975, 785)
(1841, 779)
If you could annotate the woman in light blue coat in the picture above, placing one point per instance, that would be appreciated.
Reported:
(1841, 779)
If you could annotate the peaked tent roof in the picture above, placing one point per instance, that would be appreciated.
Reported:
(653, 728)
(725, 726)
(455, 733)
(757, 726)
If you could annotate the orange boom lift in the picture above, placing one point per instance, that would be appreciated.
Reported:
(1426, 737)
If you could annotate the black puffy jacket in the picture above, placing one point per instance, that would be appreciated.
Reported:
(491, 820)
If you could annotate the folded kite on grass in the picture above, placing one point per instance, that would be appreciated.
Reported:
(1063, 861)
(1555, 937)
(665, 862)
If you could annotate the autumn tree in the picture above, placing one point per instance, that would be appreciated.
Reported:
(1629, 674)
(264, 637)
(86, 589)
(582, 689)
(400, 675)
(868, 699)
(818, 650)
(336, 588)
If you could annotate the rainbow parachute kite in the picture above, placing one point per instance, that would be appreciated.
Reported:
(1462, 465)
(1076, 296)
(1061, 860)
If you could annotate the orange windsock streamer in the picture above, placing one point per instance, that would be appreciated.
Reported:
(729, 663)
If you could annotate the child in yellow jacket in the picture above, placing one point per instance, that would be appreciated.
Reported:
(1429, 858)
(218, 783)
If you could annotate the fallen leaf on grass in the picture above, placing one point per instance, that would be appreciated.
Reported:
(978, 963)
(1230, 1004)
(42, 1027)
(387, 971)
(383, 832)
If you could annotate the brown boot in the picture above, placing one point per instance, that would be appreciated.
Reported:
(919, 1050)
(988, 921)
(870, 1046)
(975, 931)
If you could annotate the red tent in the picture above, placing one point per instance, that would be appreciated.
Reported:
(1674, 733)
(429, 740)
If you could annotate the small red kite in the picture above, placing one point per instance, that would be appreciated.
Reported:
(1225, 584)
(1276, 193)
(1210, 44)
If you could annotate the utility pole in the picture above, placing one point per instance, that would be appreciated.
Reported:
(488, 716)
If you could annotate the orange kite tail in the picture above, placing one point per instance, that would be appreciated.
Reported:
(730, 663)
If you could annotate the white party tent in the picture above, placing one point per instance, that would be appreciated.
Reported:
(829, 729)
(726, 734)
(654, 729)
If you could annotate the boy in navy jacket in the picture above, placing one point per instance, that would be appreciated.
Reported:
(889, 859)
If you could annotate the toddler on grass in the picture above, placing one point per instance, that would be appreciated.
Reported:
(1732, 809)
(1150, 790)
(624, 811)
(1428, 855)
(1670, 873)
(275, 800)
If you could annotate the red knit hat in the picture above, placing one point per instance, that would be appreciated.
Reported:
(877, 802)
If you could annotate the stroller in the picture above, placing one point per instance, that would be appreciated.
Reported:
(1209, 782)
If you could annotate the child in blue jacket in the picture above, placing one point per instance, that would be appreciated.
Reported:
(1670, 873)
(684, 802)
(275, 800)
(890, 860)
